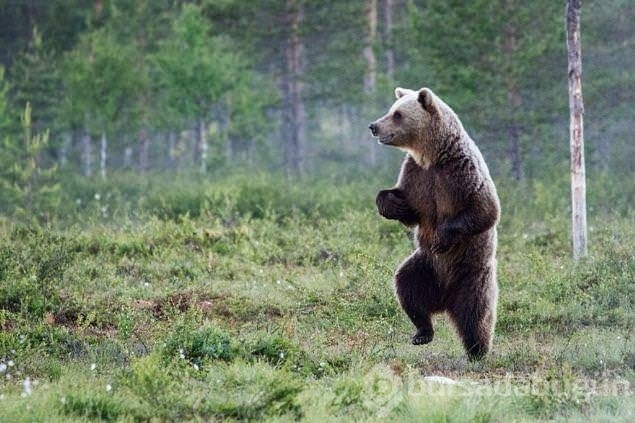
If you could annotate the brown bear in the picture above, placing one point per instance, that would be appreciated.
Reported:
(446, 193)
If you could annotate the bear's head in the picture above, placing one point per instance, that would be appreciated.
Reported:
(417, 123)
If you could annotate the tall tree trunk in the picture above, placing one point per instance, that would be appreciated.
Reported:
(103, 155)
(292, 87)
(576, 108)
(514, 101)
(370, 78)
(170, 161)
(203, 146)
(87, 154)
(195, 145)
(226, 122)
(67, 141)
(387, 6)
(143, 135)
(127, 158)
(144, 150)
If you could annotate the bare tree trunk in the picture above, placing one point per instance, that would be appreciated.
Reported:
(229, 142)
(103, 155)
(171, 145)
(127, 158)
(387, 6)
(293, 108)
(203, 146)
(576, 107)
(195, 145)
(67, 141)
(144, 150)
(370, 78)
(514, 101)
(87, 154)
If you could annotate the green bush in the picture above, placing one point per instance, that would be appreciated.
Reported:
(92, 406)
(199, 345)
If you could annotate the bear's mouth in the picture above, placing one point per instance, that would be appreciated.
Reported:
(386, 139)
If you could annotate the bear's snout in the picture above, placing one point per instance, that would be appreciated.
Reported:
(373, 129)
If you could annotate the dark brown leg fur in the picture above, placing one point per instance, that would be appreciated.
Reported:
(473, 311)
(419, 294)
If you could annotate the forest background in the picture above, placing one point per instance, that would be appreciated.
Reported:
(188, 223)
(210, 85)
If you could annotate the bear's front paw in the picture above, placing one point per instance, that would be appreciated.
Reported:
(423, 336)
(392, 204)
(388, 203)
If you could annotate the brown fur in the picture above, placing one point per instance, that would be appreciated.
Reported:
(446, 193)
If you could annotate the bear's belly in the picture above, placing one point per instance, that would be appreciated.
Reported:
(426, 233)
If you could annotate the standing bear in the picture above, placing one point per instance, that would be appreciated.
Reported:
(446, 193)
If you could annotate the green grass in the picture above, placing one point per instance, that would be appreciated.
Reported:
(266, 300)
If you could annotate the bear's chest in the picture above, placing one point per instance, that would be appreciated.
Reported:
(432, 195)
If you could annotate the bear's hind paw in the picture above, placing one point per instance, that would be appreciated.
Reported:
(421, 338)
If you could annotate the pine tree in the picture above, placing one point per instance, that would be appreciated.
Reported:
(103, 83)
(195, 70)
(484, 58)
(27, 185)
(36, 81)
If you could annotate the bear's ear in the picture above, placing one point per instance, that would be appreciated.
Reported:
(426, 98)
(400, 92)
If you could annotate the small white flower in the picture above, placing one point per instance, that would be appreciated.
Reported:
(341, 274)
(3, 367)
(146, 284)
(93, 366)
(181, 353)
(22, 338)
(108, 388)
(10, 363)
(63, 400)
(97, 196)
(78, 201)
(281, 354)
(195, 366)
(278, 281)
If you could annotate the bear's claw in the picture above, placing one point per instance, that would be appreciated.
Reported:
(421, 338)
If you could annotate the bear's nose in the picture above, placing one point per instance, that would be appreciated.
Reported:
(373, 128)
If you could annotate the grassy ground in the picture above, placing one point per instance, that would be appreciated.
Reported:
(237, 299)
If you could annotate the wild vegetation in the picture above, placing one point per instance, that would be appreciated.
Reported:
(252, 298)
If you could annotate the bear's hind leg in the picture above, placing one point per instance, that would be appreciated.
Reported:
(419, 294)
(473, 311)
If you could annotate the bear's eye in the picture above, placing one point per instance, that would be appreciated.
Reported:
(396, 115)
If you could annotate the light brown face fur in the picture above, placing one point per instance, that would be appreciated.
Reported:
(414, 123)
